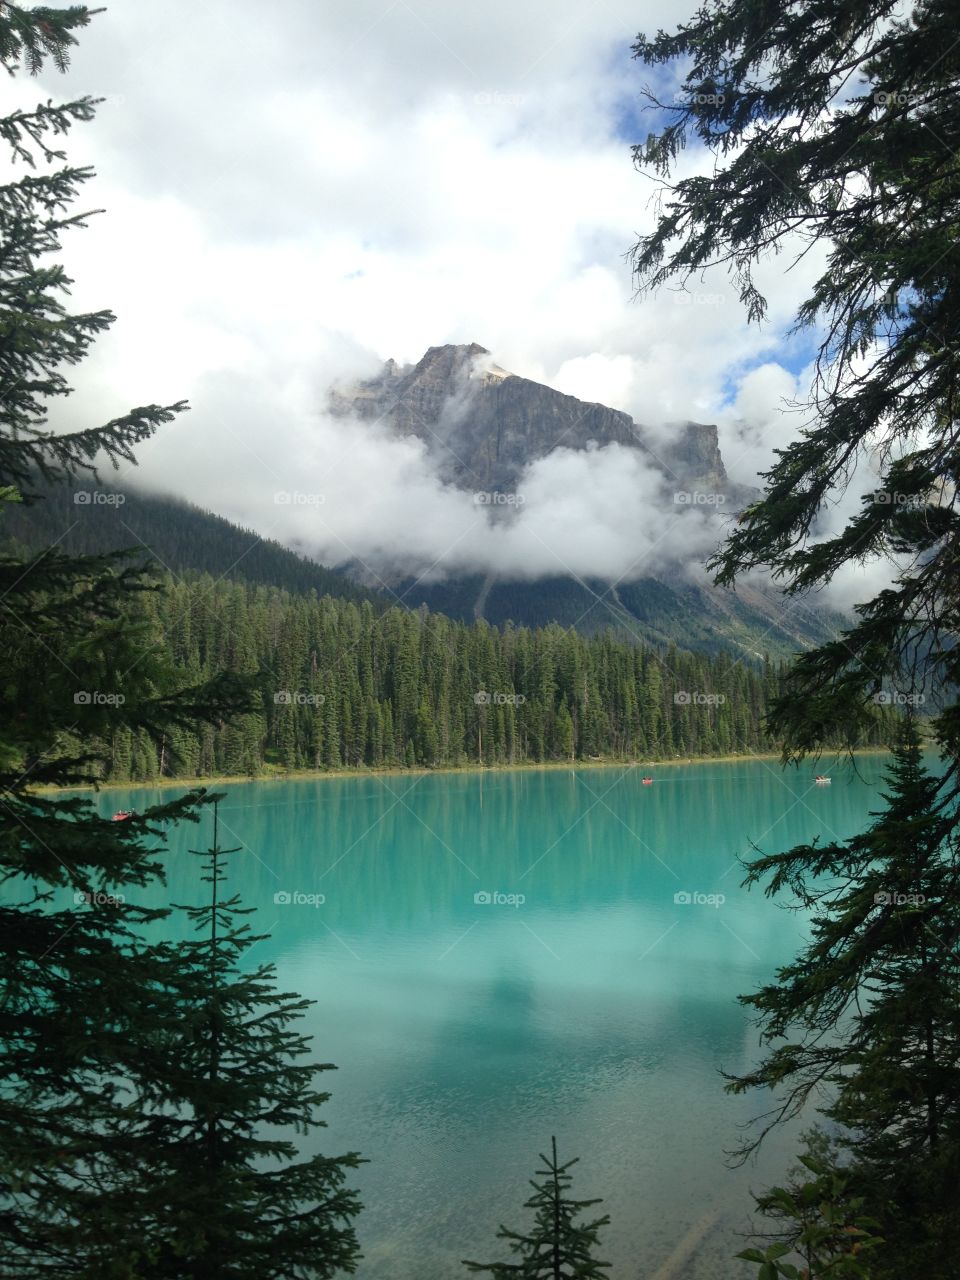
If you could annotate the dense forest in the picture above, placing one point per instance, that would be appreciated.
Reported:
(340, 685)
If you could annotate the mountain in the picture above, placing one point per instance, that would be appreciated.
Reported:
(483, 426)
(185, 540)
(748, 623)
(83, 519)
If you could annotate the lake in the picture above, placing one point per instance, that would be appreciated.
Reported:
(500, 957)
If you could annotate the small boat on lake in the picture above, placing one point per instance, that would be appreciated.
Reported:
(646, 781)
(822, 779)
(122, 815)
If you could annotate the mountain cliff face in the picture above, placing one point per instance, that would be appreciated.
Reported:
(485, 425)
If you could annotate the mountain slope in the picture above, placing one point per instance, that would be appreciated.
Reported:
(748, 623)
(181, 537)
(483, 426)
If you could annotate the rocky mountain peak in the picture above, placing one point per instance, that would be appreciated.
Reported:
(485, 425)
(451, 357)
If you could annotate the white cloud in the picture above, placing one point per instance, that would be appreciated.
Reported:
(404, 175)
(764, 415)
(296, 193)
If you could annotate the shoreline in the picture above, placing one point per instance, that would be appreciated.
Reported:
(396, 771)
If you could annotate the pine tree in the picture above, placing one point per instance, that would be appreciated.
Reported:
(222, 1194)
(78, 673)
(870, 1010)
(557, 1247)
(565, 736)
(834, 133)
(822, 1226)
(427, 747)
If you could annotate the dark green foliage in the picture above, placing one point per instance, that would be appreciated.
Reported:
(219, 1192)
(77, 986)
(29, 36)
(557, 1247)
(836, 128)
(823, 1228)
(342, 685)
(868, 1016)
(38, 335)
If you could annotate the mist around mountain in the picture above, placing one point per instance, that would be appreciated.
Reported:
(751, 623)
(484, 426)
(90, 517)
(514, 443)
(577, 515)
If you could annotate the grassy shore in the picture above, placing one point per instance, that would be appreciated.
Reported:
(272, 773)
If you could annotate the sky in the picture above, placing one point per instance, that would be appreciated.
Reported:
(295, 192)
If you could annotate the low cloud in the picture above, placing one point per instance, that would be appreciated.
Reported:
(351, 492)
(332, 185)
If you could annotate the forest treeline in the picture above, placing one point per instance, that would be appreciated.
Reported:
(341, 685)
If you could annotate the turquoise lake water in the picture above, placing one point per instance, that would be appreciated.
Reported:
(468, 1030)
